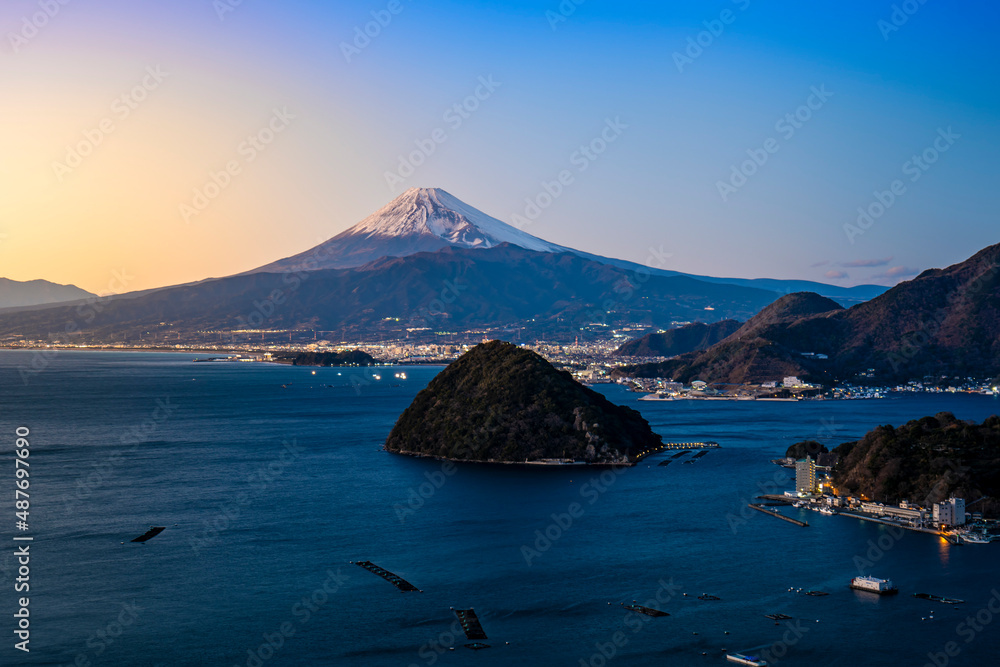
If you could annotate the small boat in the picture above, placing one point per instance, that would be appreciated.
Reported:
(742, 659)
(975, 538)
(656, 397)
(873, 585)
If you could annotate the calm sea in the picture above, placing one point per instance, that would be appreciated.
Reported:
(270, 481)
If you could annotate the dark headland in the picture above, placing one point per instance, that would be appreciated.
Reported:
(499, 403)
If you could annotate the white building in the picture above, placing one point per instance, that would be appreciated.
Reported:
(805, 477)
(791, 381)
(950, 512)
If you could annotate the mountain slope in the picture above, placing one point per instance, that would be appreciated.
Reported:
(943, 322)
(453, 289)
(501, 403)
(419, 220)
(16, 294)
(690, 338)
(429, 219)
(925, 461)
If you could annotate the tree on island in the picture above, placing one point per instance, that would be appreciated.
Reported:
(800, 450)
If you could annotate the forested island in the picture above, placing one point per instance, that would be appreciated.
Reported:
(924, 461)
(500, 403)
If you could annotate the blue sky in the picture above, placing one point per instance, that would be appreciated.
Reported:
(869, 97)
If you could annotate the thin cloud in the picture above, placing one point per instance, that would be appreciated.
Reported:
(819, 264)
(897, 273)
(901, 271)
(867, 263)
(835, 275)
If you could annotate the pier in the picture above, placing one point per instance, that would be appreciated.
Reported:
(781, 516)
(470, 623)
(394, 579)
(691, 445)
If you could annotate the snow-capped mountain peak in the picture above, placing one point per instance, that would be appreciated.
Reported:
(436, 212)
(419, 220)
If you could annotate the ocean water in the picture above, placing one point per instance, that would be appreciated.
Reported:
(270, 484)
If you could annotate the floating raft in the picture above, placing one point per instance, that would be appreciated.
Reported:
(150, 534)
(470, 623)
(815, 593)
(778, 617)
(394, 579)
(706, 596)
(476, 646)
(648, 611)
(937, 598)
(680, 454)
(666, 463)
(698, 455)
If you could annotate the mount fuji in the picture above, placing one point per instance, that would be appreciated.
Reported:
(419, 220)
(431, 219)
(425, 265)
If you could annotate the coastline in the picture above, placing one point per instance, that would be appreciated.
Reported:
(544, 463)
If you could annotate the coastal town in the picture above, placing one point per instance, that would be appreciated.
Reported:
(952, 519)
(593, 362)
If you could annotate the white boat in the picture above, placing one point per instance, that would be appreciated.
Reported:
(741, 659)
(828, 511)
(975, 538)
(873, 585)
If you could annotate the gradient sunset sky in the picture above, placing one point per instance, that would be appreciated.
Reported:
(80, 204)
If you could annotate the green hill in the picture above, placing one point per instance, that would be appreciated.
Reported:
(501, 403)
(925, 461)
